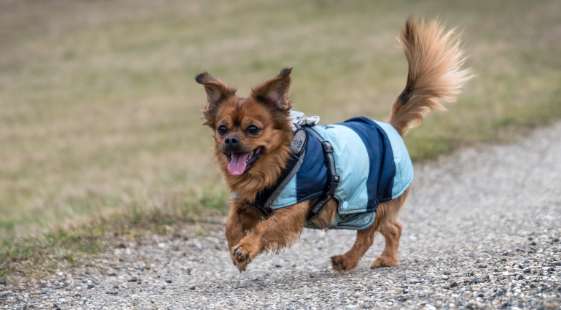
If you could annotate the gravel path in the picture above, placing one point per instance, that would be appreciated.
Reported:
(482, 229)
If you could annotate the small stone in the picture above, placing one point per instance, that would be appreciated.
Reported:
(471, 305)
(500, 292)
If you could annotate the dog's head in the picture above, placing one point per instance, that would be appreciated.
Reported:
(251, 134)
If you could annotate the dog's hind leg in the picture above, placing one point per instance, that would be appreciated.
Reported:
(349, 260)
(388, 225)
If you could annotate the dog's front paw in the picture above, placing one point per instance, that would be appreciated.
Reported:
(241, 257)
(341, 263)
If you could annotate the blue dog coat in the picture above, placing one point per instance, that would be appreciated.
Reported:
(371, 161)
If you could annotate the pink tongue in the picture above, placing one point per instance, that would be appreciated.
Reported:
(238, 163)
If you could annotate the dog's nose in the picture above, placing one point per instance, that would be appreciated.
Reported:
(232, 142)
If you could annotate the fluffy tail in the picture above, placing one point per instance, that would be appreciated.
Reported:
(435, 72)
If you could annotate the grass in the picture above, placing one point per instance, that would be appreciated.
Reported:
(99, 113)
(65, 246)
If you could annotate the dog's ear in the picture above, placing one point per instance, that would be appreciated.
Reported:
(216, 92)
(275, 91)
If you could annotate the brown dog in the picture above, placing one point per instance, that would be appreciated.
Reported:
(253, 139)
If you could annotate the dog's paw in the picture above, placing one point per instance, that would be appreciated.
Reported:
(384, 261)
(241, 257)
(341, 263)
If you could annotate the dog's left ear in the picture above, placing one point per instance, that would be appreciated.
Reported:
(216, 92)
(275, 91)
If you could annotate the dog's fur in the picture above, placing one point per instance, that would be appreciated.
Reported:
(435, 76)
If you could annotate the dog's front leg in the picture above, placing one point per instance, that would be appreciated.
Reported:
(241, 219)
(278, 231)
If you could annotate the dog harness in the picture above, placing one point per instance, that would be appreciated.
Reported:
(359, 162)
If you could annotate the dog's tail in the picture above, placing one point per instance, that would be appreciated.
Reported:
(435, 72)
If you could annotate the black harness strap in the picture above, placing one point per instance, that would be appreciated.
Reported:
(333, 177)
(266, 197)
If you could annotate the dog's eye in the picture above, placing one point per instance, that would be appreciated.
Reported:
(252, 129)
(222, 130)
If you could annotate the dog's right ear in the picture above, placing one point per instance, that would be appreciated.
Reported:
(216, 92)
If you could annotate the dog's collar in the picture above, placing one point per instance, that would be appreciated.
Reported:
(299, 119)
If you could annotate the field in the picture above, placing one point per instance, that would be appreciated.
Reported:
(100, 115)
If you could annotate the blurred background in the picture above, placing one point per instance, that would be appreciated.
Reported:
(100, 115)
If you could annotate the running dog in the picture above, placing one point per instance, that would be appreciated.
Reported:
(286, 174)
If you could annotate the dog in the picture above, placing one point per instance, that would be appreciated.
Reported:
(285, 176)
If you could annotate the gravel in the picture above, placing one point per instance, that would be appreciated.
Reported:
(482, 230)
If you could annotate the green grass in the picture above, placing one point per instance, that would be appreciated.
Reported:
(99, 113)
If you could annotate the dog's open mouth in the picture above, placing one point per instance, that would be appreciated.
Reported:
(239, 163)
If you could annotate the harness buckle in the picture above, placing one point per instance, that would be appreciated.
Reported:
(335, 179)
(327, 147)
